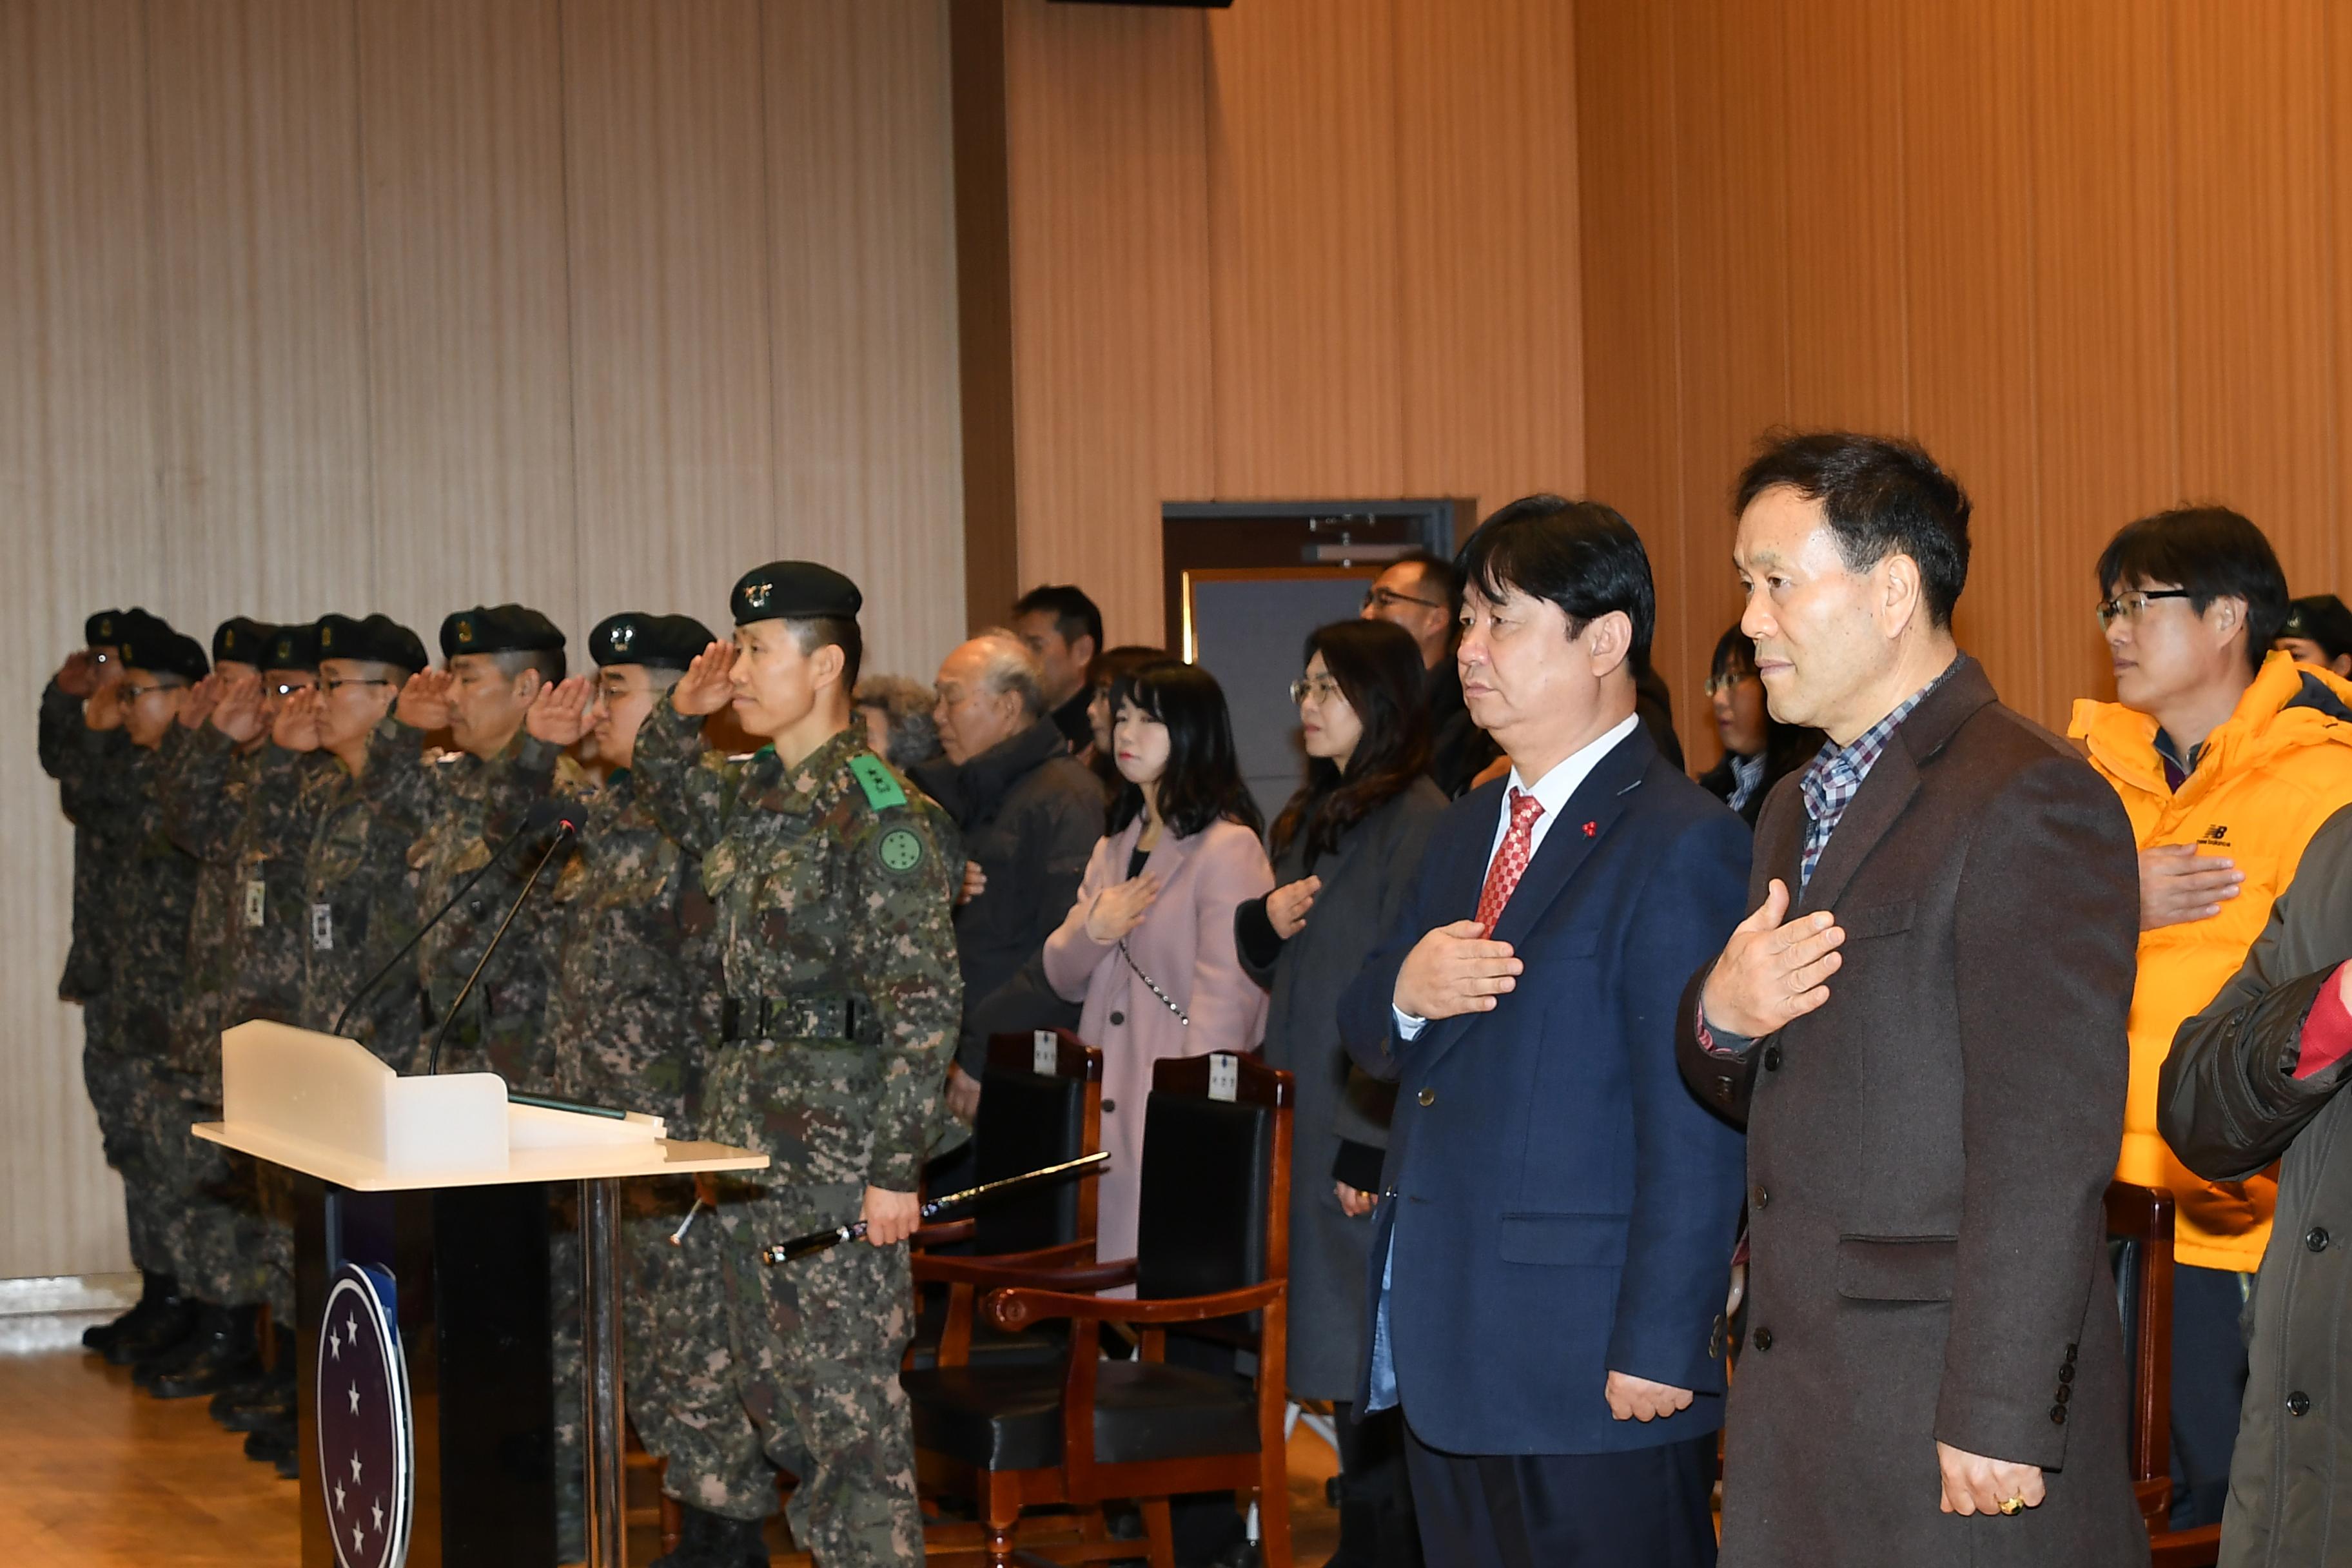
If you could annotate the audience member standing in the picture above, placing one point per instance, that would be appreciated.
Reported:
(1062, 628)
(1030, 813)
(896, 714)
(1147, 947)
(1559, 1214)
(2318, 630)
(1107, 668)
(1346, 849)
(1931, 999)
(1759, 751)
(1421, 593)
(2228, 756)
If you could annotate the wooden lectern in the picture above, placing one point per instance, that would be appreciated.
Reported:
(433, 1192)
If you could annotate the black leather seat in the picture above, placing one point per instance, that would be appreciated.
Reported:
(1009, 1417)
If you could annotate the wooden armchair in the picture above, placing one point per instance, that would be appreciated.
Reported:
(1212, 1261)
(2140, 1219)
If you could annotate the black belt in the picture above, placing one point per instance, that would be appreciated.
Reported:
(800, 1015)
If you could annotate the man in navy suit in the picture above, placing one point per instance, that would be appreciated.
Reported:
(1555, 1233)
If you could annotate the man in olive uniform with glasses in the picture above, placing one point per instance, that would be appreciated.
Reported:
(833, 898)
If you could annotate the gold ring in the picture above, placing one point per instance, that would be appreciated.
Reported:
(2011, 1507)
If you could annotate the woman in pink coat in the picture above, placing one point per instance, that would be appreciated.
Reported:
(1149, 946)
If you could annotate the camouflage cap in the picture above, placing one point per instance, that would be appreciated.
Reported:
(2322, 618)
(379, 639)
(499, 629)
(241, 639)
(158, 650)
(794, 590)
(666, 642)
(293, 648)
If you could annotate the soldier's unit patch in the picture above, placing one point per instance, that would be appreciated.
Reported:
(901, 849)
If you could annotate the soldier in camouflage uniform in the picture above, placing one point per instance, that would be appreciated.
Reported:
(149, 889)
(228, 795)
(832, 901)
(499, 660)
(93, 785)
(633, 1016)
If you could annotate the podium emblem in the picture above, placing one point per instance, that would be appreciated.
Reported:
(367, 1440)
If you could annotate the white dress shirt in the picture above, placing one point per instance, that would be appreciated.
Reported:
(1551, 792)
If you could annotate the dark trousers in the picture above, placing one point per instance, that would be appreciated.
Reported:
(1376, 1522)
(2209, 1386)
(1645, 1509)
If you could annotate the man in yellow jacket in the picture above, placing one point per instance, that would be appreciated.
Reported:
(2228, 757)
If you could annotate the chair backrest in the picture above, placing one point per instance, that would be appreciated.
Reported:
(1214, 1211)
(2139, 1238)
(1040, 1104)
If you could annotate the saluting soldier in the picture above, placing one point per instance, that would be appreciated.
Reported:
(498, 659)
(831, 900)
(630, 1021)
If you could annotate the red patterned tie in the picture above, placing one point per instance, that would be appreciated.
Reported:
(1511, 860)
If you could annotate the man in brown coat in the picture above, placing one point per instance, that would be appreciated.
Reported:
(1925, 1017)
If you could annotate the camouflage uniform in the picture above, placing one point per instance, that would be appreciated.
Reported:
(95, 787)
(357, 899)
(832, 901)
(234, 811)
(633, 1016)
(464, 808)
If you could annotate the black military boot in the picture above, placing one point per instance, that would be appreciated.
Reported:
(153, 1289)
(166, 1326)
(737, 1543)
(253, 1403)
(269, 1445)
(693, 1549)
(228, 1352)
(202, 1320)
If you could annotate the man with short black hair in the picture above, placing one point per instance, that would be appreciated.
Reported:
(2229, 756)
(1546, 1165)
(2318, 630)
(1030, 813)
(1925, 1020)
(1423, 593)
(1062, 627)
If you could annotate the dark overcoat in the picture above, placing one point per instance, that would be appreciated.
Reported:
(1928, 1155)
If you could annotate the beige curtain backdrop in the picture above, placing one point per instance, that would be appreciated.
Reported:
(413, 304)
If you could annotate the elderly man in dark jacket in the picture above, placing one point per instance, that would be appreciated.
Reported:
(1928, 1004)
(1030, 813)
(2253, 1079)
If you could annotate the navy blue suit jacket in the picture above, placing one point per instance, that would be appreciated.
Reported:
(1557, 1204)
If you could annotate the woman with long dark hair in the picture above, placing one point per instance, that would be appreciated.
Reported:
(1346, 849)
(1148, 949)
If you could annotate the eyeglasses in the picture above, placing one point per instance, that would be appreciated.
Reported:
(1728, 680)
(126, 692)
(1322, 689)
(332, 687)
(1388, 598)
(2132, 607)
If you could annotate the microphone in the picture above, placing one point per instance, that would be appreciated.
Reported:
(542, 815)
(566, 822)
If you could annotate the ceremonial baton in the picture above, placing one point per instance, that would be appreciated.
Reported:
(818, 1241)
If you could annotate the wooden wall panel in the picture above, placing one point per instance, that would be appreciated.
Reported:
(469, 348)
(863, 356)
(1303, 248)
(77, 486)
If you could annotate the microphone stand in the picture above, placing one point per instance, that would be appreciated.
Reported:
(564, 829)
(410, 946)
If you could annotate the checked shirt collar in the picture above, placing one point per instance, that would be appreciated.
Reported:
(1835, 775)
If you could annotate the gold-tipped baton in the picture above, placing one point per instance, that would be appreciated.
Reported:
(818, 1241)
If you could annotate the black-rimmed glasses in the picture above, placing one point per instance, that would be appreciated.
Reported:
(2133, 606)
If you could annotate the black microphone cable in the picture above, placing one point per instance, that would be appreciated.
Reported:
(566, 826)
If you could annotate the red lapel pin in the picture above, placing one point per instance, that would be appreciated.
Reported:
(1591, 829)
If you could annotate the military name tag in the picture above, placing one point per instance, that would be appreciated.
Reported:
(322, 927)
(1224, 1075)
(256, 901)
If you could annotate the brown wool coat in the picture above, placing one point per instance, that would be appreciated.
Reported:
(1926, 1155)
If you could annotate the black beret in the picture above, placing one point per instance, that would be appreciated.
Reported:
(795, 591)
(241, 639)
(157, 649)
(499, 629)
(136, 625)
(99, 630)
(2323, 618)
(379, 639)
(668, 642)
(292, 648)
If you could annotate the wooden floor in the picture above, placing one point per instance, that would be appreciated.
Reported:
(96, 1474)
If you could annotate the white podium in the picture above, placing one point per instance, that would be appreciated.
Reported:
(432, 1190)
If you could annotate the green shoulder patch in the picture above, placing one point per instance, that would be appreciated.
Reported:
(882, 790)
(901, 850)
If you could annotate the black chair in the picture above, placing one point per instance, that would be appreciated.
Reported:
(1212, 1262)
(2139, 1236)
